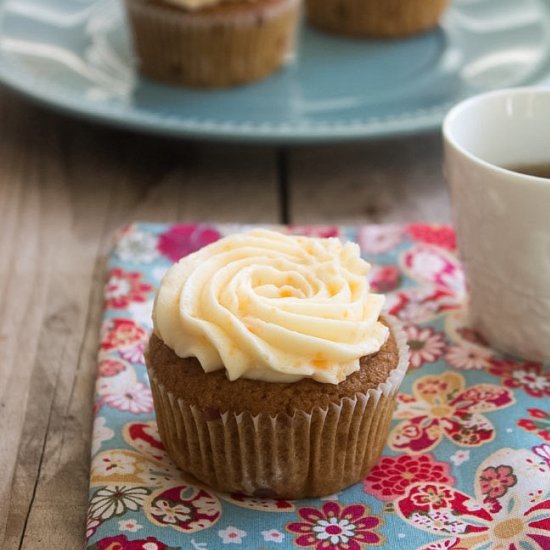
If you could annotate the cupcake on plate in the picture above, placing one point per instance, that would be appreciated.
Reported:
(273, 372)
(375, 18)
(211, 43)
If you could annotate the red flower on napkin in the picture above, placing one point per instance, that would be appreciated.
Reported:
(336, 527)
(509, 510)
(183, 239)
(441, 406)
(440, 235)
(384, 278)
(121, 542)
(391, 477)
(539, 423)
(530, 377)
(124, 287)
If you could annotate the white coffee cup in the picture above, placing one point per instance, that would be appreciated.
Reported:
(502, 217)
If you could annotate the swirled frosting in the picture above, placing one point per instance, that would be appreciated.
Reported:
(271, 307)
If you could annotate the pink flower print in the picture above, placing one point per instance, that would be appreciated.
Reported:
(438, 521)
(391, 477)
(184, 508)
(110, 367)
(124, 287)
(120, 333)
(539, 423)
(431, 497)
(133, 354)
(130, 525)
(162, 493)
(336, 527)
(518, 515)
(467, 357)
(528, 376)
(425, 345)
(421, 303)
(183, 239)
(440, 407)
(231, 535)
(121, 542)
(273, 535)
(135, 398)
(384, 278)
(167, 512)
(432, 265)
(460, 456)
(379, 239)
(495, 481)
(439, 235)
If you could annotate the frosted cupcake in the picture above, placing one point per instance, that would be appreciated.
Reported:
(273, 372)
(211, 43)
(375, 18)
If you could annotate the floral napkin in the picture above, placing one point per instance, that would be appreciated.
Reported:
(467, 462)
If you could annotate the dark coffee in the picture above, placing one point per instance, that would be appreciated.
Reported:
(539, 170)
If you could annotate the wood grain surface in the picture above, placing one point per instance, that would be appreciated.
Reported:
(65, 187)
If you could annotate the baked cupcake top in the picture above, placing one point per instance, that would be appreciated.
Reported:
(271, 307)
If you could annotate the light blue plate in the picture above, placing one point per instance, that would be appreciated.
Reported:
(76, 55)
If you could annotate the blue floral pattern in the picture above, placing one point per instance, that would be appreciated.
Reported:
(467, 464)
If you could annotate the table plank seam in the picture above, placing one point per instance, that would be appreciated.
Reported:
(37, 478)
(283, 184)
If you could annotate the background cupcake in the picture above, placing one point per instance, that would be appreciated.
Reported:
(272, 371)
(211, 43)
(375, 18)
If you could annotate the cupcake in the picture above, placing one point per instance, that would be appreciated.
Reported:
(211, 43)
(273, 371)
(375, 18)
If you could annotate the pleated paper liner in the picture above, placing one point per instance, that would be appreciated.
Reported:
(375, 18)
(209, 48)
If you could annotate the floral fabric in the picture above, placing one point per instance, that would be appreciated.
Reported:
(467, 462)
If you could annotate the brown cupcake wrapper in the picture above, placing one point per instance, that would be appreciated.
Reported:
(375, 18)
(305, 454)
(208, 49)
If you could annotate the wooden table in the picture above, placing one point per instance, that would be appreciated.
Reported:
(65, 187)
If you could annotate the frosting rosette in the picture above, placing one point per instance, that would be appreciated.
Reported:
(272, 307)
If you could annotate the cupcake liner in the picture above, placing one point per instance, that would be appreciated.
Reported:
(376, 18)
(212, 49)
(304, 454)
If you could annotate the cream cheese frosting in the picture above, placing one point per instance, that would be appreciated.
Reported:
(272, 307)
